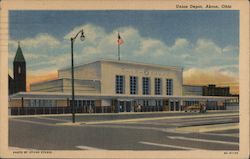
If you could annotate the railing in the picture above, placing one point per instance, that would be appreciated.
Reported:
(39, 110)
(67, 110)
(93, 109)
(57, 110)
(152, 108)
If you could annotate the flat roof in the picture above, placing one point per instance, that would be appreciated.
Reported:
(189, 85)
(129, 63)
(60, 79)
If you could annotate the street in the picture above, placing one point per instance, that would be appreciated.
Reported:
(215, 130)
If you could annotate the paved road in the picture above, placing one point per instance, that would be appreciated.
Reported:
(133, 131)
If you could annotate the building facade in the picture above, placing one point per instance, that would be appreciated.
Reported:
(212, 90)
(54, 102)
(126, 84)
(117, 86)
(191, 90)
(129, 78)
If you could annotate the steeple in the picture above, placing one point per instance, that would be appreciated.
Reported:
(19, 54)
(19, 71)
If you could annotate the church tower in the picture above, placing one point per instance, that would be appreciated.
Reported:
(19, 70)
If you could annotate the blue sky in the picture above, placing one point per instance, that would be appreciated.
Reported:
(221, 26)
(196, 40)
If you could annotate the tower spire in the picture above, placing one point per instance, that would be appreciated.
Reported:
(19, 54)
(19, 70)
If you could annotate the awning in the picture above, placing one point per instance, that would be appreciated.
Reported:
(125, 100)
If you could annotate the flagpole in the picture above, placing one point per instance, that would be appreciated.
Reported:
(118, 47)
(118, 52)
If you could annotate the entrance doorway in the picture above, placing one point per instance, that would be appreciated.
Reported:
(124, 106)
(128, 106)
(171, 106)
(177, 106)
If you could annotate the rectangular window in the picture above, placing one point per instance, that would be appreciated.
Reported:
(92, 103)
(119, 84)
(169, 86)
(145, 103)
(133, 85)
(158, 103)
(145, 86)
(157, 86)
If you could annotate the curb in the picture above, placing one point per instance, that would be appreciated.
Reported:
(209, 128)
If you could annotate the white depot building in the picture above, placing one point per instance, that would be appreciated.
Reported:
(120, 85)
(113, 78)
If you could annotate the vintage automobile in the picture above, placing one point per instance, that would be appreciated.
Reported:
(195, 108)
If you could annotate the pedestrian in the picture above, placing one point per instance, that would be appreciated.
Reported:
(204, 109)
(139, 108)
(201, 108)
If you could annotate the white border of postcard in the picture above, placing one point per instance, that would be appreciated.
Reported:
(242, 5)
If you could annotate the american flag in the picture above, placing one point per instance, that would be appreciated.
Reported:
(119, 41)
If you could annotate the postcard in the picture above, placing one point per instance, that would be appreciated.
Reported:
(128, 79)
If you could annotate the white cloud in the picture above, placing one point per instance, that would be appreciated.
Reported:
(40, 39)
(181, 43)
(49, 53)
(206, 46)
(151, 46)
(229, 48)
(92, 32)
(215, 71)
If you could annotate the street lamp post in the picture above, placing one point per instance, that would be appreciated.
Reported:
(72, 39)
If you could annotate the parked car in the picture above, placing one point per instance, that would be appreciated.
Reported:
(192, 108)
(195, 108)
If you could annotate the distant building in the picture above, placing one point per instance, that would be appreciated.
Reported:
(212, 90)
(191, 90)
(18, 82)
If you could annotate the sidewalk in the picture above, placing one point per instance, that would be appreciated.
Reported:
(209, 128)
